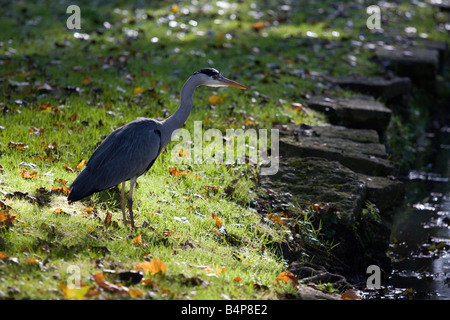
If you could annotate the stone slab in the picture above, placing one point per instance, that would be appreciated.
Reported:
(356, 149)
(419, 64)
(355, 112)
(379, 87)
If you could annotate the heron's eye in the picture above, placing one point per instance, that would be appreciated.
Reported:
(214, 77)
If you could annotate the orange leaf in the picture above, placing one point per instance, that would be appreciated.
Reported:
(153, 266)
(218, 220)
(4, 255)
(350, 295)
(184, 153)
(31, 260)
(238, 279)
(63, 190)
(259, 25)
(138, 240)
(287, 276)
(175, 172)
(24, 174)
(138, 90)
(58, 210)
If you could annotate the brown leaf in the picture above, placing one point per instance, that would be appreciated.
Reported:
(350, 295)
(107, 218)
(18, 145)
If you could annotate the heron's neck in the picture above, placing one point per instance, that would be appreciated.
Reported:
(176, 120)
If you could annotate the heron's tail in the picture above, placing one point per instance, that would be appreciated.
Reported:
(81, 188)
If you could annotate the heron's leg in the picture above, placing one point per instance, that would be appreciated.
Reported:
(122, 203)
(130, 200)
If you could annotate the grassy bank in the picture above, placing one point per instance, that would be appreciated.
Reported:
(63, 91)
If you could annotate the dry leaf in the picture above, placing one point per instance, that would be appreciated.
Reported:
(138, 240)
(215, 100)
(24, 174)
(74, 292)
(153, 266)
(4, 255)
(350, 295)
(86, 80)
(81, 165)
(63, 190)
(138, 90)
(287, 276)
(101, 281)
(218, 220)
(107, 218)
(175, 172)
(18, 145)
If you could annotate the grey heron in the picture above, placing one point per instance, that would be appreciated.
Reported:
(131, 150)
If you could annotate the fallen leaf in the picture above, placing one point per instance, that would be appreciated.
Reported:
(212, 188)
(257, 26)
(174, 8)
(135, 293)
(63, 190)
(74, 292)
(86, 80)
(4, 255)
(152, 267)
(137, 241)
(215, 99)
(237, 279)
(24, 174)
(138, 90)
(287, 276)
(81, 165)
(218, 220)
(175, 172)
(18, 145)
(101, 281)
(107, 218)
(350, 295)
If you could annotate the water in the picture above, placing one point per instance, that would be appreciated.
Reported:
(420, 238)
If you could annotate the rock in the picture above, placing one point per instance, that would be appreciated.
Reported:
(380, 87)
(312, 180)
(305, 292)
(355, 112)
(308, 293)
(384, 192)
(419, 64)
(357, 149)
(440, 46)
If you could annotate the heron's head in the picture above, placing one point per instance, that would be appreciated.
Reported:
(212, 78)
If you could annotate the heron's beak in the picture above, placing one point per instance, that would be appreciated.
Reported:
(231, 83)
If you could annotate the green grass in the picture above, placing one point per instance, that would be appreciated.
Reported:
(92, 85)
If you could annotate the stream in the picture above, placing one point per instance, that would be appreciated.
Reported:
(420, 238)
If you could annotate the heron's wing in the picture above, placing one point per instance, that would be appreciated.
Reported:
(127, 152)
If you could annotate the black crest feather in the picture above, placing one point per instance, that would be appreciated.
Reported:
(209, 72)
